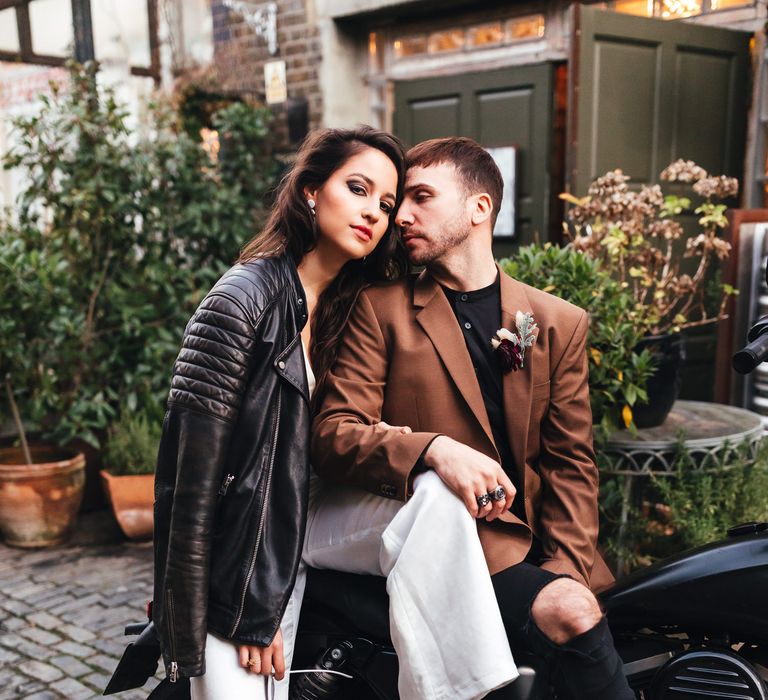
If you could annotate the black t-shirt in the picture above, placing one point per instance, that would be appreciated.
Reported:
(479, 316)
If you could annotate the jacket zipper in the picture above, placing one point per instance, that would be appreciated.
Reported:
(263, 518)
(225, 484)
(173, 674)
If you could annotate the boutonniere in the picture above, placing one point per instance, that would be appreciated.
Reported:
(510, 347)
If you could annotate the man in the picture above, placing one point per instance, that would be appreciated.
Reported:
(490, 376)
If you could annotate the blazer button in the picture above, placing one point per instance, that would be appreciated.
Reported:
(388, 490)
(281, 364)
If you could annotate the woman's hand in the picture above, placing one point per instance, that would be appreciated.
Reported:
(261, 659)
(403, 429)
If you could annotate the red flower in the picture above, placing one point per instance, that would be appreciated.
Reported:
(510, 355)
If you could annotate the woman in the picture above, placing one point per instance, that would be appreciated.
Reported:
(232, 474)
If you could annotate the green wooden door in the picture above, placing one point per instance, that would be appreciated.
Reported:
(507, 107)
(645, 92)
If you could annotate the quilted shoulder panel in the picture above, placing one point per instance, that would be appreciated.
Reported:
(212, 367)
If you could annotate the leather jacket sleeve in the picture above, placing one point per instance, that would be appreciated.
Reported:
(209, 379)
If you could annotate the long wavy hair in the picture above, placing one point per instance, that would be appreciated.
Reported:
(291, 229)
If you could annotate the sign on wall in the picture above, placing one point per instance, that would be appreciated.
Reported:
(506, 160)
(275, 84)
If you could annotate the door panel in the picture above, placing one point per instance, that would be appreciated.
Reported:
(696, 73)
(437, 117)
(619, 109)
(507, 107)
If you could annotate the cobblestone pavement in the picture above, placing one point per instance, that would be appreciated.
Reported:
(62, 613)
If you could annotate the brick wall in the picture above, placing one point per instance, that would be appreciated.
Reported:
(240, 54)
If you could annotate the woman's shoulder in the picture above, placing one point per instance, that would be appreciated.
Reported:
(254, 284)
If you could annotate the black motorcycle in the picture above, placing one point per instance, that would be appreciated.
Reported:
(692, 626)
(689, 627)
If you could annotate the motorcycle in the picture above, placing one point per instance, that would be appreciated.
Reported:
(691, 626)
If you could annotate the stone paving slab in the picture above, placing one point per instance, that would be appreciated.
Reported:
(62, 611)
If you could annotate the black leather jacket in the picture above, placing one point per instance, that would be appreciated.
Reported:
(232, 473)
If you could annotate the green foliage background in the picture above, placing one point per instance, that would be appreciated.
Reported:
(689, 507)
(617, 374)
(116, 237)
(131, 446)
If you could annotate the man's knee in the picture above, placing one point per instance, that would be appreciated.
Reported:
(433, 497)
(564, 609)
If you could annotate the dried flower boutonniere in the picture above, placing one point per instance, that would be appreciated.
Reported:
(510, 347)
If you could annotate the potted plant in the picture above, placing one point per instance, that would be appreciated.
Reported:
(618, 372)
(41, 487)
(130, 454)
(113, 240)
(639, 236)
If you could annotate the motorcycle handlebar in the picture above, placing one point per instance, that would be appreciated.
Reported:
(749, 357)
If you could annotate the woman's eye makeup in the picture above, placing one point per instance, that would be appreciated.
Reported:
(357, 188)
(386, 207)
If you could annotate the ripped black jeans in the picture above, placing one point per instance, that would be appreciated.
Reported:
(585, 668)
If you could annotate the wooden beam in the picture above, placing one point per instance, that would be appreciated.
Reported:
(24, 28)
(7, 4)
(34, 59)
(154, 41)
(83, 30)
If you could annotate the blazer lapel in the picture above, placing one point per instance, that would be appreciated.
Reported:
(517, 385)
(437, 319)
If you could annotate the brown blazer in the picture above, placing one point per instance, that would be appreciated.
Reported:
(403, 360)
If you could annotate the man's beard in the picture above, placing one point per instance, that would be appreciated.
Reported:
(452, 236)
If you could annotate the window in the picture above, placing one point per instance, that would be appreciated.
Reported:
(485, 35)
(476, 36)
(449, 40)
(674, 9)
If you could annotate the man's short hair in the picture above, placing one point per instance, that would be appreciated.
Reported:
(479, 172)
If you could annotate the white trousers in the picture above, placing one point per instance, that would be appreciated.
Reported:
(226, 679)
(444, 619)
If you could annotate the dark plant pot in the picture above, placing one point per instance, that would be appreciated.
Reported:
(664, 385)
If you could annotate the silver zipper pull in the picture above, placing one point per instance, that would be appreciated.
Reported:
(174, 674)
(225, 484)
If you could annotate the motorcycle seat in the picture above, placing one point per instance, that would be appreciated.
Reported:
(339, 602)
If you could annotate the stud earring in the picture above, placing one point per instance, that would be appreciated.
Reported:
(311, 203)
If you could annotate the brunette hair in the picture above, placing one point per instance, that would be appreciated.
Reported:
(477, 169)
(291, 229)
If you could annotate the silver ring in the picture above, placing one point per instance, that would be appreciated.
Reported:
(498, 494)
(483, 500)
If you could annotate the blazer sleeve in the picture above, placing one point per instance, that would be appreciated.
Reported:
(347, 447)
(570, 480)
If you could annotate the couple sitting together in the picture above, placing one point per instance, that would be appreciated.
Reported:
(330, 409)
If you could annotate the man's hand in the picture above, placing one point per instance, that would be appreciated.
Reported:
(261, 659)
(402, 429)
(469, 474)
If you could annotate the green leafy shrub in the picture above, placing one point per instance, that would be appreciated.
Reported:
(704, 503)
(617, 374)
(667, 514)
(115, 239)
(131, 445)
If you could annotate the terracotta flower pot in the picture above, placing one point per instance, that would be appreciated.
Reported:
(39, 501)
(132, 498)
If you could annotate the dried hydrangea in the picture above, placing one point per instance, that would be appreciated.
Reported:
(636, 232)
(683, 171)
(721, 187)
